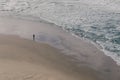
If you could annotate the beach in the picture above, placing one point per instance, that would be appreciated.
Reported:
(54, 55)
(22, 59)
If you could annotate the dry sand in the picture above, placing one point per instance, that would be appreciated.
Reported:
(75, 59)
(22, 59)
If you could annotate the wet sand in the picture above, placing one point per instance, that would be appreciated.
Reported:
(67, 57)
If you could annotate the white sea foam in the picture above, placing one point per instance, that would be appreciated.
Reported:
(114, 56)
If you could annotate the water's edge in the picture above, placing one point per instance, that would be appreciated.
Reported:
(100, 47)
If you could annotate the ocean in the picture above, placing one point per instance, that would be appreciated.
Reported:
(94, 20)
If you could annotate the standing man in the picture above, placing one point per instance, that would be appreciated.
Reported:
(33, 37)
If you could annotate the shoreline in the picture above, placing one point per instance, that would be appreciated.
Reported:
(107, 53)
(82, 53)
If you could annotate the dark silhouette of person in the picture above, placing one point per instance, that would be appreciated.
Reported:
(34, 37)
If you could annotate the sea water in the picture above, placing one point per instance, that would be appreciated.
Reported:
(95, 20)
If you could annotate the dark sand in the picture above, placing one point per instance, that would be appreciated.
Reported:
(22, 59)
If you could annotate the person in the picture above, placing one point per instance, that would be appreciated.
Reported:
(34, 37)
